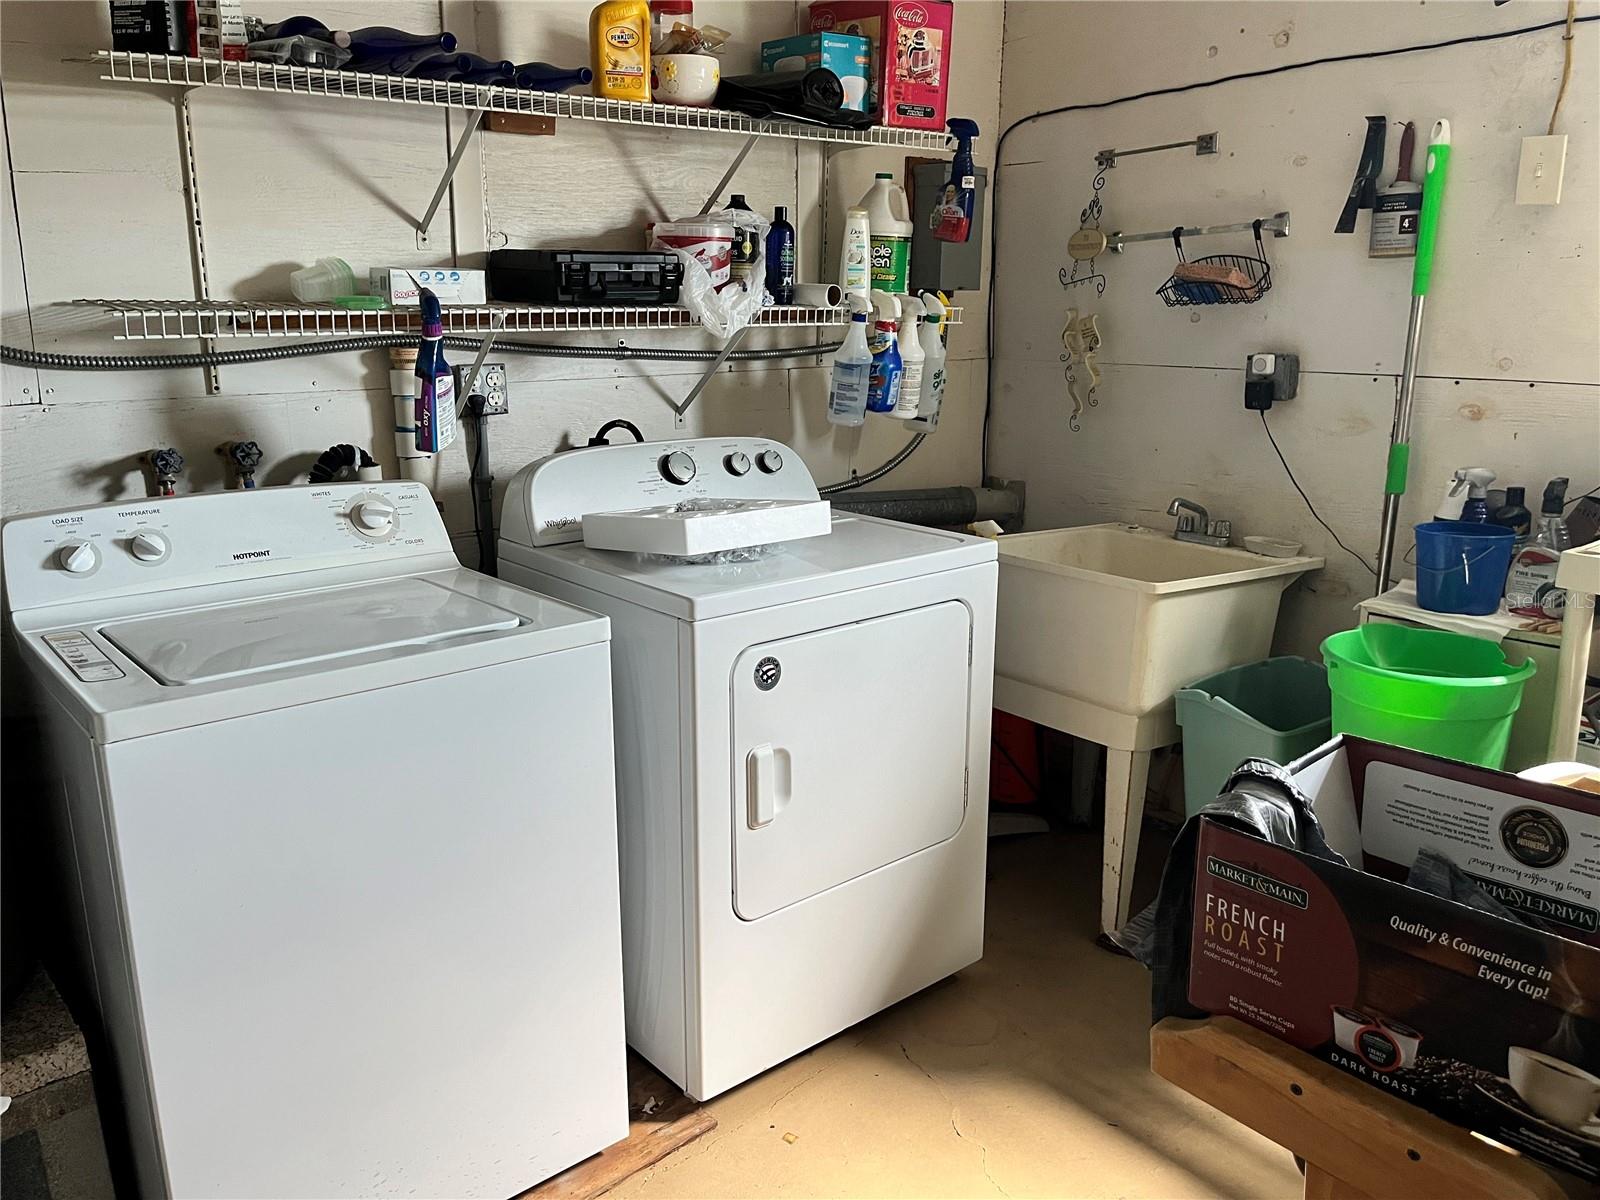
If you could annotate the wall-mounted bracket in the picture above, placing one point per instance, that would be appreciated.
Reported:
(197, 228)
(716, 365)
(1203, 143)
(727, 176)
(1277, 225)
(474, 120)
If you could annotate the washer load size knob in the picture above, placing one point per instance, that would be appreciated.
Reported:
(770, 461)
(677, 467)
(148, 546)
(373, 517)
(78, 558)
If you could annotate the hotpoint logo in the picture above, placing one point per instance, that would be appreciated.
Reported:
(245, 555)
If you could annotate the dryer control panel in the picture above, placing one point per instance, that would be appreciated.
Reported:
(213, 537)
(548, 500)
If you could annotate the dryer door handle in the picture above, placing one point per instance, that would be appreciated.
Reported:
(766, 784)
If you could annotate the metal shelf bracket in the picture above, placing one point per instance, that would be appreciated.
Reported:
(728, 348)
(474, 122)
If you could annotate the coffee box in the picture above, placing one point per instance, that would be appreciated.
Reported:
(1488, 1022)
(910, 54)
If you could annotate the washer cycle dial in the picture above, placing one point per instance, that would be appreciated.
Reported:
(78, 558)
(373, 517)
(770, 461)
(677, 467)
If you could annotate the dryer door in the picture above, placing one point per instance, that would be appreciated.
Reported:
(849, 752)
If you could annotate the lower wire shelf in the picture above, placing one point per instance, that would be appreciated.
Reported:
(171, 320)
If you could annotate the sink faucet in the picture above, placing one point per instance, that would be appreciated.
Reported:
(1196, 525)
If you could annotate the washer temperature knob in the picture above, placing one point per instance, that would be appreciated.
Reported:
(78, 558)
(770, 461)
(149, 547)
(677, 467)
(738, 463)
(372, 516)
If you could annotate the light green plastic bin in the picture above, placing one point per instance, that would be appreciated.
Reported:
(1275, 709)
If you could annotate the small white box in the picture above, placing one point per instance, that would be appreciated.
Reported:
(1544, 160)
(400, 285)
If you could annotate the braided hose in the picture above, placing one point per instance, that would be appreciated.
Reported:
(877, 473)
(18, 356)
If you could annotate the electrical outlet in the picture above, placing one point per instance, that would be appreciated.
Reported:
(1544, 160)
(494, 386)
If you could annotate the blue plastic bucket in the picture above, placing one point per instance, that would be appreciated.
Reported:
(1462, 566)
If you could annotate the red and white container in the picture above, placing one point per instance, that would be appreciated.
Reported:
(709, 242)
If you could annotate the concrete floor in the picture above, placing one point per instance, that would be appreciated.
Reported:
(1025, 1075)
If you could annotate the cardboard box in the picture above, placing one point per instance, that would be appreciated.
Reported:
(400, 285)
(1485, 1021)
(847, 57)
(216, 30)
(909, 50)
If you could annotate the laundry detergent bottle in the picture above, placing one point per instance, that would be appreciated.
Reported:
(436, 386)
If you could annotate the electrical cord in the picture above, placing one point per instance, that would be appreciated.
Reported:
(1178, 89)
(1566, 66)
(1371, 570)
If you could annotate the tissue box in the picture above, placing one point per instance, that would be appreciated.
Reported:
(1490, 1023)
(847, 57)
(909, 48)
(399, 285)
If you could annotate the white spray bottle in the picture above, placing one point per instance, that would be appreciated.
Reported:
(933, 364)
(912, 356)
(852, 372)
(1468, 496)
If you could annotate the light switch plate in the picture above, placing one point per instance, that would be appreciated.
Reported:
(1544, 160)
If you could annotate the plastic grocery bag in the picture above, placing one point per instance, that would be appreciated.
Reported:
(726, 312)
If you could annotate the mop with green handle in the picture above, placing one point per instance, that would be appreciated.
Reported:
(1394, 484)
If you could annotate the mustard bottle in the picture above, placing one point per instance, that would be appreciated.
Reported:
(619, 40)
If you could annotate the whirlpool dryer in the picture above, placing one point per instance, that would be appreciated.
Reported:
(802, 707)
(341, 822)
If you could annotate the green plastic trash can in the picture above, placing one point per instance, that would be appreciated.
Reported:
(1431, 690)
(1276, 709)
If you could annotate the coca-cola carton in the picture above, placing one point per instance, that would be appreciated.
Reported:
(910, 53)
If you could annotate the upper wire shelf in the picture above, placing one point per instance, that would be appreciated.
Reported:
(177, 71)
(169, 320)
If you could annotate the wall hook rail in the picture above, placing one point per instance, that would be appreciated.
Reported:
(1277, 225)
(1203, 143)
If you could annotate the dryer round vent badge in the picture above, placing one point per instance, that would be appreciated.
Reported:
(768, 672)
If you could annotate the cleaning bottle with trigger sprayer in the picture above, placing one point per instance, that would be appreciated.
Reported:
(851, 377)
(1468, 496)
(436, 386)
(884, 393)
(912, 360)
(951, 219)
(933, 365)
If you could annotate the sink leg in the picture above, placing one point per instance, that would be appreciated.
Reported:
(1127, 772)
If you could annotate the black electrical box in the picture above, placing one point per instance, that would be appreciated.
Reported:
(938, 266)
(585, 276)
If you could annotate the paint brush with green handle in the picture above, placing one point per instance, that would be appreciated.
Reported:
(1394, 485)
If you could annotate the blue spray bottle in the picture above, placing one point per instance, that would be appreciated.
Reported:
(883, 393)
(436, 386)
(951, 220)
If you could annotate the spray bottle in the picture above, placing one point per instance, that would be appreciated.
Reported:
(1531, 589)
(933, 377)
(884, 393)
(436, 387)
(852, 374)
(1467, 498)
(912, 358)
(951, 219)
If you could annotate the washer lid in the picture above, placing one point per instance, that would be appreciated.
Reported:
(249, 637)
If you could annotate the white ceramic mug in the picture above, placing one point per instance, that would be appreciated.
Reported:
(685, 78)
(1556, 1090)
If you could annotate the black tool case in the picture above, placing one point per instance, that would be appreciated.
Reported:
(585, 276)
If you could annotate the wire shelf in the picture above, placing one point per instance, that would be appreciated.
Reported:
(170, 320)
(177, 71)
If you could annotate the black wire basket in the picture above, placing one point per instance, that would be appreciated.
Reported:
(1176, 293)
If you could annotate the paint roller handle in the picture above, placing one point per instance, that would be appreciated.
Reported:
(1433, 183)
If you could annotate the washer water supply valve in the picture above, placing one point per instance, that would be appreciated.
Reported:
(243, 459)
(166, 465)
(1269, 378)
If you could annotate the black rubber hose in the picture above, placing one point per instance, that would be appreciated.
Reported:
(41, 360)
(339, 458)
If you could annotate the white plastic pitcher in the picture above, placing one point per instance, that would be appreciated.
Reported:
(889, 219)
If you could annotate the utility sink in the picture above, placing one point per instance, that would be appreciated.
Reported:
(1097, 627)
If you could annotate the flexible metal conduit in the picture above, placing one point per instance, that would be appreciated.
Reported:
(937, 506)
(227, 358)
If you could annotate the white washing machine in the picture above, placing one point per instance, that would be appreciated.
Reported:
(802, 741)
(342, 825)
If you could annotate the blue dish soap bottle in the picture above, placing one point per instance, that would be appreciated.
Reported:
(436, 386)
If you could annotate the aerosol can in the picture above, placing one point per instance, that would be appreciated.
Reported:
(912, 357)
(884, 392)
(933, 365)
